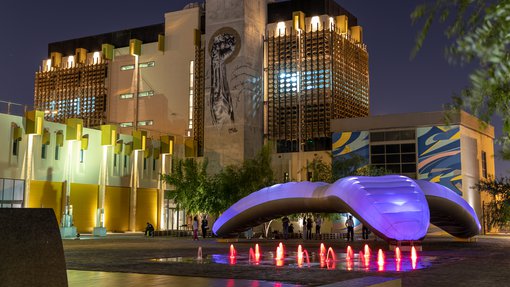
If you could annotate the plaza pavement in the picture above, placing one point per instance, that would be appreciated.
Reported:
(482, 262)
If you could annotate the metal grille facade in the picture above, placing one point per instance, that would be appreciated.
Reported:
(198, 98)
(313, 76)
(75, 92)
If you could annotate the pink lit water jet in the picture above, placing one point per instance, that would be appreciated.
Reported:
(367, 251)
(233, 252)
(350, 253)
(414, 257)
(331, 263)
(398, 254)
(380, 260)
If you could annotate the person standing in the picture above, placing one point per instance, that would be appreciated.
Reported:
(318, 222)
(309, 225)
(205, 226)
(195, 228)
(304, 227)
(365, 232)
(350, 228)
(285, 226)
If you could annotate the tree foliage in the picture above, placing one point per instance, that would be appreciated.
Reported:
(499, 208)
(353, 165)
(198, 192)
(479, 31)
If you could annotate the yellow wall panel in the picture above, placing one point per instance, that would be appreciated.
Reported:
(84, 202)
(116, 214)
(46, 194)
(146, 207)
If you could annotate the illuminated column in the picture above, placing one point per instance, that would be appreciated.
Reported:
(166, 150)
(108, 140)
(74, 131)
(139, 139)
(33, 127)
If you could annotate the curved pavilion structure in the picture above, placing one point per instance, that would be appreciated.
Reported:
(394, 207)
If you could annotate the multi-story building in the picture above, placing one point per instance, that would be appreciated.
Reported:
(217, 82)
(317, 70)
(422, 146)
(282, 70)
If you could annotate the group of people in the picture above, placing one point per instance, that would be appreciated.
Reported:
(288, 228)
(204, 226)
(349, 223)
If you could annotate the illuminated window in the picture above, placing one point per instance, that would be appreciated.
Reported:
(146, 94)
(146, 123)
(147, 64)
(126, 96)
(127, 67)
(280, 28)
(484, 164)
(191, 79)
(126, 124)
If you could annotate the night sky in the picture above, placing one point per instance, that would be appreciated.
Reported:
(397, 83)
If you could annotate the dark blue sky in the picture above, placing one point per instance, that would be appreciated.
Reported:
(397, 83)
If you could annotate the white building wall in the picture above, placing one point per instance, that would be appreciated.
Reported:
(168, 108)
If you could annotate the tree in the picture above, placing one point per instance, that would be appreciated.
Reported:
(235, 182)
(339, 168)
(478, 30)
(198, 192)
(192, 186)
(499, 208)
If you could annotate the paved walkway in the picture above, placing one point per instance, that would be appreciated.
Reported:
(113, 279)
(483, 262)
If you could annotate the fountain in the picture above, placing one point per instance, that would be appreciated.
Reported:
(380, 260)
(414, 257)
(199, 253)
(326, 258)
(255, 254)
(280, 255)
(350, 253)
(302, 254)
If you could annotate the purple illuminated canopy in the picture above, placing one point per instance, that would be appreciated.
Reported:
(394, 207)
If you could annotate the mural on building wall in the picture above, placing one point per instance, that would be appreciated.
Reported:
(224, 46)
(350, 144)
(439, 156)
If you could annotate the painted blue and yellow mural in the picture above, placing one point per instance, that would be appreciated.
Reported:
(349, 144)
(439, 156)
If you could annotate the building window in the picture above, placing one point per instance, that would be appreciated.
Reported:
(127, 67)
(484, 164)
(399, 158)
(153, 164)
(126, 161)
(147, 64)
(43, 151)
(146, 123)
(15, 145)
(126, 124)
(144, 164)
(82, 154)
(146, 94)
(57, 152)
(115, 160)
(191, 89)
(126, 96)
